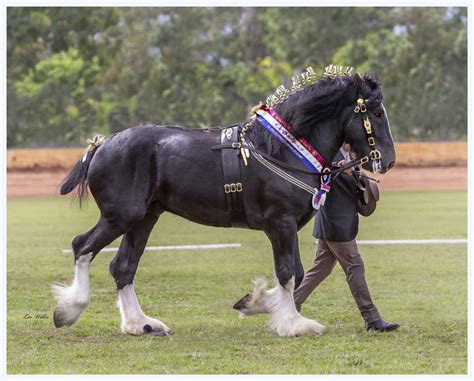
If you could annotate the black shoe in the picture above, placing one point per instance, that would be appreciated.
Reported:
(380, 325)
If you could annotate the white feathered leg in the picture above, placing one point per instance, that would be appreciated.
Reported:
(285, 320)
(134, 321)
(278, 302)
(73, 300)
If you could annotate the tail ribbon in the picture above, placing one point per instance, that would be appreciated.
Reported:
(92, 143)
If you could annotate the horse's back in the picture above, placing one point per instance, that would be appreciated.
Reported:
(173, 167)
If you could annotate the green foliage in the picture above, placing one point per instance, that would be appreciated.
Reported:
(74, 72)
(423, 66)
(422, 287)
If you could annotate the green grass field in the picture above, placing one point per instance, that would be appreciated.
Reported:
(424, 288)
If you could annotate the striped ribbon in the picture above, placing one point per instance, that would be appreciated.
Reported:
(299, 147)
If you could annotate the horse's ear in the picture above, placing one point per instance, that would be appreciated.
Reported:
(360, 84)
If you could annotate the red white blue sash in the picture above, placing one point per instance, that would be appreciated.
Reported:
(299, 147)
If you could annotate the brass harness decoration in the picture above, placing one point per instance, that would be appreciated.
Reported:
(334, 71)
(375, 154)
(299, 82)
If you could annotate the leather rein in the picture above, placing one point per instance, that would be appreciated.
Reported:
(282, 164)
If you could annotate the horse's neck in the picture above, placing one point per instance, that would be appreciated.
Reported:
(327, 138)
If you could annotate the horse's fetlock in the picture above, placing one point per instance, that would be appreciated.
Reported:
(284, 275)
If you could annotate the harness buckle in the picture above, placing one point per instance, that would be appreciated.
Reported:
(364, 160)
(325, 176)
(375, 155)
(371, 141)
(228, 134)
(367, 126)
(236, 145)
(234, 187)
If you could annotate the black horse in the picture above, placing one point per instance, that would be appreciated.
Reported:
(137, 174)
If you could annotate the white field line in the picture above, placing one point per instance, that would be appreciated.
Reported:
(413, 242)
(379, 242)
(178, 247)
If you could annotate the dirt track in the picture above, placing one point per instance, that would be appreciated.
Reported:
(46, 183)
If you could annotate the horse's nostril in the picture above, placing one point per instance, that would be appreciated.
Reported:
(391, 165)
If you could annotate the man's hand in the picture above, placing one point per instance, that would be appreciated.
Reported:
(342, 163)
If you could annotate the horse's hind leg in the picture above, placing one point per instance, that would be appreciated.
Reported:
(123, 268)
(73, 300)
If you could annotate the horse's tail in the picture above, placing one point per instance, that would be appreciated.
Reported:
(78, 175)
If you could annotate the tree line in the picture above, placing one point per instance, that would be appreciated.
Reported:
(74, 72)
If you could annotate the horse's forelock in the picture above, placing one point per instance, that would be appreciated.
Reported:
(376, 97)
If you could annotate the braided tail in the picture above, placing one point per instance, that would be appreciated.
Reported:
(78, 175)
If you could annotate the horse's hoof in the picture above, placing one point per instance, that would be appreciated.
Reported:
(58, 319)
(242, 303)
(296, 326)
(65, 316)
(69, 305)
(148, 329)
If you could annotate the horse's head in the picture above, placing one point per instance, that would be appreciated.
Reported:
(368, 129)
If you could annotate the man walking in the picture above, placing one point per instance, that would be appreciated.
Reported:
(336, 227)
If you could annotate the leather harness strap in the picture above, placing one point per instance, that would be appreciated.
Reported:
(282, 164)
(233, 187)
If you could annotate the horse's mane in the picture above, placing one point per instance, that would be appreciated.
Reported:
(315, 104)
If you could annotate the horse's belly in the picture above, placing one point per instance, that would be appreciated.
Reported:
(190, 183)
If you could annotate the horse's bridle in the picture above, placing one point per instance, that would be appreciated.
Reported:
(374, 154)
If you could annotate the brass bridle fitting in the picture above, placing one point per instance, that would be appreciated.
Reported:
(374, 154)
(361, 107)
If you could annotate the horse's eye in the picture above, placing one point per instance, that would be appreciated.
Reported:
(378, 114)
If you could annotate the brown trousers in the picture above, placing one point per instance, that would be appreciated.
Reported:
(347, 254)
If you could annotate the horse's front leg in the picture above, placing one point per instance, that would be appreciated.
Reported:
(278, 302)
